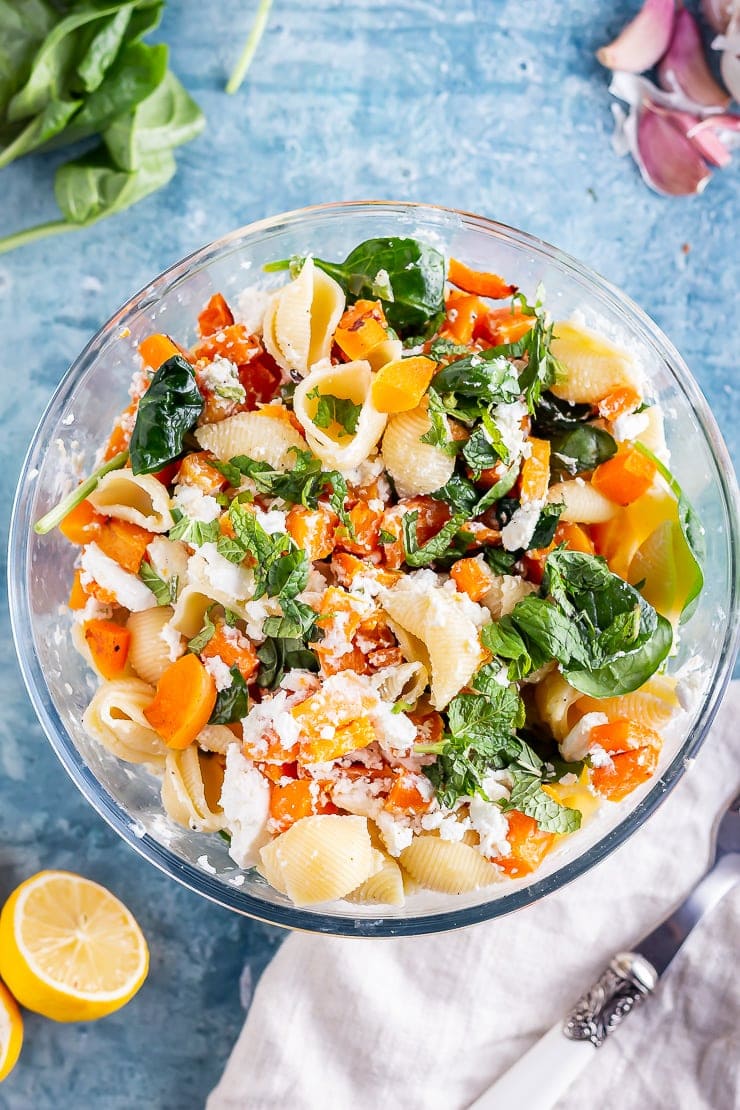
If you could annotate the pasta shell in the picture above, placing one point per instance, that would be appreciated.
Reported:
(188, 796)
(138, 498)
(188, 614)
(301, 319)
(148, 652)
(438, 620)
(583, 503)
(447, 866)
(594, 367)
(115, 717)
(556, 703)
(415, 467)
(258, 435)
(404, 682)
(216, 738)
(320, 858)
(349, 381)
(506, 590)
(384, 887)
(625, 534)
(390, 350)
(654, 704)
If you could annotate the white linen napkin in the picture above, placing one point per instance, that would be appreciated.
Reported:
(427, 1023)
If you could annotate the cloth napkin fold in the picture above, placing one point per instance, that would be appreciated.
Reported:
(427, 1023)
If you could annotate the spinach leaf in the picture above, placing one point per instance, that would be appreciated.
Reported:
(335, 410)
(54, 517)
(582, 448)
(232, 704)
(503, 640)
(40, 130)
(288, 575)
(169, 408)
(278, 655)
(544, 530)
(692, 548)
(407, 276)
(100, 45)
(606, 637)
(167, 118)
(304, 484)
(434, 548)
(471, 384)
(22, 30)
(500, 561)
(552, 415)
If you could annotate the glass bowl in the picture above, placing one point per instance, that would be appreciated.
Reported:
(95, 390)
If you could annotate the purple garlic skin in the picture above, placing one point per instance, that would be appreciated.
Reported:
(683, 68)
(668, 160)
(643, 41)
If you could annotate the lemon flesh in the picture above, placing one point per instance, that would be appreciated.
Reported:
(69, 949)
(11, 1032)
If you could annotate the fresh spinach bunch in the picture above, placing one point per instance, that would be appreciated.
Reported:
(71, 71)
(405, 275)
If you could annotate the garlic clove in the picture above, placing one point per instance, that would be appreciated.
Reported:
(668, 160)
(684, 68)
(643, 41)
(729, 67)
(715, 136)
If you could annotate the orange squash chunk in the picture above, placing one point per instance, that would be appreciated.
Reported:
(108, 643)
(625, 477)
(529, 845)
(183, 703)
(124, 542)
(400, 385)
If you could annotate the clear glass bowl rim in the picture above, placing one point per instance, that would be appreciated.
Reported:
(233, 897)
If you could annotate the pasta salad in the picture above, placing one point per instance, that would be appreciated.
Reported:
(380, 576)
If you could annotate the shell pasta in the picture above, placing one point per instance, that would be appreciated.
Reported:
(388, 602)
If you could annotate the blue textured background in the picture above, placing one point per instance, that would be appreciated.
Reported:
(495, 106)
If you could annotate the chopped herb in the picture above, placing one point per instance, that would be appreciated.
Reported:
(232, 704)
(231, 618)
(303, 484)
(580, 449)
(164, 592)
(435, 547)
(442, 350)
(439, 432)
(335, 410)
(545, 527)
(479, 453)
(500, 561)
(194, 532)
(460, 494)
(206, 634)
(529, 798)
(231, 473)
(386, 537)
(403, 707)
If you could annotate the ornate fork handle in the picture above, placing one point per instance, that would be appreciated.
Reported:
(624, 984)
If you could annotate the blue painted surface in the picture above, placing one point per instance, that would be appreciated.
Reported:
(494, 106)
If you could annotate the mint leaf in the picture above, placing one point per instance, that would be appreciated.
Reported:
(288, 575)
(194, 532)
(439, 433)
(232, 704)
(206, 634)
(335, 410)
(529, 798)
(479, 453)
(161, 589)
(435, 547)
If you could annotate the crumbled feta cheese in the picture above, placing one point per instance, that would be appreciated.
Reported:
(93, 611)
(127, 588)
(250, 308)
(255, 614)
(209, 569)
(196, 505)
(599, 757)
(272, 522)
(449, 825)
(396, 832)
(569, 779)
(219, 672)
(508, 420)
(520, 529)
(204, 862)
(358, 796)
(173, 640)
(396, 732)
(270, 715)
(245, 800)
(222, 378)
(488, 820)
(575, 746)
(630, 426)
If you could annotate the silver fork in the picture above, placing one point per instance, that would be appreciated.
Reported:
(543, 1074)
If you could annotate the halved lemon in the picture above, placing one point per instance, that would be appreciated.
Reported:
(69, 949)
(11, 1032)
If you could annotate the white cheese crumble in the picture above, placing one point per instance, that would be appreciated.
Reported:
(449, 825)
(599, 757)
(630, 425)
(245, 800)
(272, 522)
(173, 640)
(196, 505)
(219, 672)
(270, 715)
(575, 746)
(208, 568)
(396, 732)
(508, 420)
(396, 832)
(128, 588)
(489, 821)
(222, 378)
(94, 610)
(169, 558)
(520, 529)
